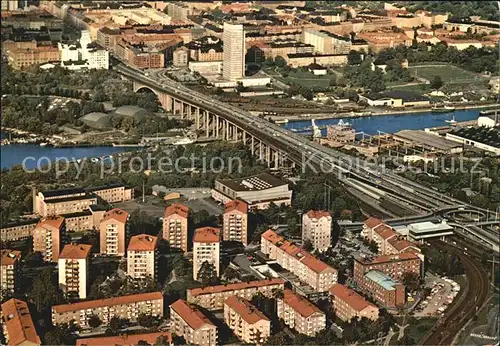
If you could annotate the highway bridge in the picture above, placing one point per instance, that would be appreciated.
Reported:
(279, 147)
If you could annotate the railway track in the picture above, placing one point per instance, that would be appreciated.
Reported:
(465, 306)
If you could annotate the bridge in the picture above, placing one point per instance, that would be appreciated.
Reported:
(278, 147)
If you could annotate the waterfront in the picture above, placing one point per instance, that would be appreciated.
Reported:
(391, 123)
(14, 154)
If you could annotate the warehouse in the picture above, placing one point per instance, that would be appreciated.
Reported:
(428, 141)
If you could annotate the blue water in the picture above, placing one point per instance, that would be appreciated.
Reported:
(15, 154)
(392, 123)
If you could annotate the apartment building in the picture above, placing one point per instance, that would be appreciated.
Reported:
(300, 314)
(9, 270)
(190, 323)
(257, 191)
(234, 52)
(112, 232)
(301, 263)
(125, 339)
(348, 304)
(66, 201)
(129, 307)
(79, 221)
(326, 42)
(317, 228)
(213, 297)
(388, 241)
(384, 290)
(180, 57)
(17, 325)
(380, 40)
(175, 226)
(24, 57)
(47, 238)
(394, 266)
(73, 269)
(246, 321)
(235, 221)
(113, 193)
(142, 257)
(17, 230)
(206, 248)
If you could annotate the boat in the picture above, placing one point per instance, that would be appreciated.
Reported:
(281, 121)
(44, 144)
(453, 121)
(442, 109)
(183, 141)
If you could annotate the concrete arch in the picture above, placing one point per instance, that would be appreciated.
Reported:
(165, 99)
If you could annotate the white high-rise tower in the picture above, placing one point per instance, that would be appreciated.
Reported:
(234, 52)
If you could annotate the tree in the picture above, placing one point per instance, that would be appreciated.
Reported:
(62, 334)
(147, 321)
(94, 321)
(142, 342)
(44, 292)
(280, 62)
(277, 293)
(307, 245)
(115, 325)
(354, 57)
(162, 340)
(231, 274)
(436, 82)
(411, 281)
(207, 274)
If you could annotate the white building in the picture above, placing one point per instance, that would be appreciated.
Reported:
(317, 228)
(141, 256)
(84, 54)
(206, 248)
(234, 52)
(73, 269)
(490, 120)
(425, 230)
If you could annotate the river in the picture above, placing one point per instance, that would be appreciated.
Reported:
(16, 153)
(391, 123)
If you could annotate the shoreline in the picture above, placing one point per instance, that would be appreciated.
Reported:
(379, 113)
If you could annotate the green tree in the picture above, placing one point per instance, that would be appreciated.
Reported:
(62, 334)
(207, 274)
(436, 82)
(280, 62)
(94, 321)
(411, 280)
(45, 293)
(307, 245)
(354, 57)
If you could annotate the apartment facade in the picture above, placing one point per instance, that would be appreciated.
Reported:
(317, 228)
(388, 242)
(235, 221)
(234, 52)
(64, 201)
(394, 266)
(348, 304)
(73, 269)
(9, 270)
(189, 322)
(305, 266)
(18, 230)
(206, 248)
(246, 321)
(113, 193)
(326, 42)
(300, 314)
(47, 238)
(213, 297)
(175, 226)
(24, 57)
(129, 307)
(142, 256)
(112, 232)
(384, 290)
(17, 325)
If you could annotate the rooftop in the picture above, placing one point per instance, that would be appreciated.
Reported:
(258, 182)
(353, 299)
(405, 256)
(236, 205)
(373, 222)
(300, 304)
(18, 323)
(75, 251)
(86, 212)
(485, 135)
(62, 192)
(424, 227)
(57, 222)
(234, 287)
(9, 257)
(381, 279)
(427, 139)
(177, 209)
(245, 309)
(142, 242)
(190, 314)
(206, 235)
(318, 214)
(94, 304)
(406, 96)
(116, 214)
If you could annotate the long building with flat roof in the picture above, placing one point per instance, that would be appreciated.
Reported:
(427, 140)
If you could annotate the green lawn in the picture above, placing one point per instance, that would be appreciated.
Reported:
(419, 327)
(448, 73)
(308, 79)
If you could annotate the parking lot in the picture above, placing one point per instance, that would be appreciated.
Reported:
(443, 292)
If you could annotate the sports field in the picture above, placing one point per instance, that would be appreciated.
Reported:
(448, 73)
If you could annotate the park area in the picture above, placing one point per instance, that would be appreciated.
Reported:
(303, 78)
(449, 74)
